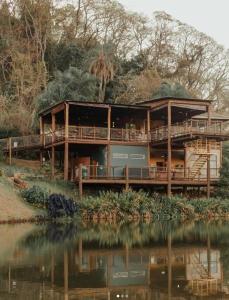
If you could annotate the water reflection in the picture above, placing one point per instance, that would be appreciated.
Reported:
(124, 261)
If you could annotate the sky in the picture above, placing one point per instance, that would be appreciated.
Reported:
(208, 16)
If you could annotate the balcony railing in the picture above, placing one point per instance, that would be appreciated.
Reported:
(95, 134)
(191, 127)
(101, 172)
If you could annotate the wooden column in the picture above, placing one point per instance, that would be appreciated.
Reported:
(65, 275)
(109, 123)
(66, 146)
(127, 178)
(10, 150)
(169, 152)
(80, 182)
(53, 147)
(209, 158)
(109, 138)
(209, 176)
(148, 135)
(41, 140)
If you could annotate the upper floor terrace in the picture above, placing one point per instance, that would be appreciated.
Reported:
(154, 122)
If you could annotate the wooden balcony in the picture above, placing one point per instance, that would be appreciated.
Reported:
(144, 175)
(95, 134)
(189, 129)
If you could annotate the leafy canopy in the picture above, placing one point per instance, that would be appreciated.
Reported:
(72, 84)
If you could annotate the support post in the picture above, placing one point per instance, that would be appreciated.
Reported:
(53, 148)
(53, 163)
(80, 182)
(209, 176)
(127, 178)
(109, 123)
(148, 135)
(169, 152)
(10, 151)
(209, 158)
(109, 145)
(66, 146)
(42, 140)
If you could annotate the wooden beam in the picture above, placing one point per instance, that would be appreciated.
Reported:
(80, 182)
(53, 148)
(127, 178)
(169, 152)
(66, 146)
(209, 176)
(148, 134)
(53, 162)
(209, 157)
(42, 140)
(109, 123)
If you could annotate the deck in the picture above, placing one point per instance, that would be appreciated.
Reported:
(190, 130)
(143, 176)
(101, 135)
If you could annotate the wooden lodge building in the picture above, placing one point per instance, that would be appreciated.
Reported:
(168, 142)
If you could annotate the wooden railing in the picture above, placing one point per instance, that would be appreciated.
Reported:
(190, 127)
(21, 142)
(95, 133)
(120, 134)
(98, 172)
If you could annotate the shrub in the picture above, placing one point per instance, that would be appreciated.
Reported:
(36, 196)
(59, 206)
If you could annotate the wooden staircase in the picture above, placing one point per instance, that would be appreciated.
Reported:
(198, 165)
(202, 149)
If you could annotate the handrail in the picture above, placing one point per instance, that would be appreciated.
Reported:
(190, 127)
(95, 133)
(142, 173)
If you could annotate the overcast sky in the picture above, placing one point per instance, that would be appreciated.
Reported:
(208, 16)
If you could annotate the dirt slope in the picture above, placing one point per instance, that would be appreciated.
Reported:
(11, 205)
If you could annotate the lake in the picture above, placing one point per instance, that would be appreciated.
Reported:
(106, 261)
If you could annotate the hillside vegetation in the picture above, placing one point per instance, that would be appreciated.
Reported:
(96, 50)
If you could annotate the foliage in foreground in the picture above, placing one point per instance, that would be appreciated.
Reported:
(57, 205)
(132, 203)
(127, 204)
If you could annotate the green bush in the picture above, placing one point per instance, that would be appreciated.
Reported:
(36, 196)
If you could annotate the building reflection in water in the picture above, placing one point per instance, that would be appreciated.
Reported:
(83, 271)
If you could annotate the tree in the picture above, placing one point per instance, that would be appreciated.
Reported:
(171, 90)
(138, 87)
(102, 67)
(223, 184)
(72, 84)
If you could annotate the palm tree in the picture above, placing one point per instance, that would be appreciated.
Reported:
(103, 69)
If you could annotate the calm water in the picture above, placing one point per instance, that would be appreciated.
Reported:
(126, 261)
